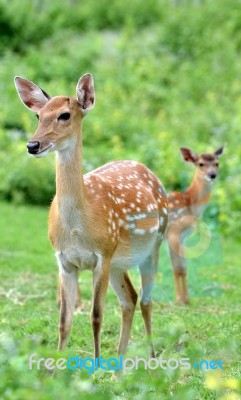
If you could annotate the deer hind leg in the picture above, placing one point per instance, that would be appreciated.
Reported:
(68, 283)
(179, 270)
(100, 285)
(78, 296)
(78, 299)
(121, 284)
(148, 270)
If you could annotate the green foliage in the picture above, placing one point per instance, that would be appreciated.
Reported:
(34, 21)
(167, 74)
(26, 179)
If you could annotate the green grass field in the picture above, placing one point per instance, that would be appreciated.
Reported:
(208, 329)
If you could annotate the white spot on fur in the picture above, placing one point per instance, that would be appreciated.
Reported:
(131, 226)
(139, 231)
(154, 229)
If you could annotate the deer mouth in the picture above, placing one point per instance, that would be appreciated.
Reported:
(44, 152)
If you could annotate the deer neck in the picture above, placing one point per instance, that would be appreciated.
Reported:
(70, 190)
(198, 195)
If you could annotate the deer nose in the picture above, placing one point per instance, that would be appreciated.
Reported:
(212, 175)
(33, 147)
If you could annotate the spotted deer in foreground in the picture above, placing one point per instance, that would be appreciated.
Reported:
(107, 221)
(184, 208)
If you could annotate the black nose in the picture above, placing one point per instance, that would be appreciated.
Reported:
(33, 147)
(212, 176)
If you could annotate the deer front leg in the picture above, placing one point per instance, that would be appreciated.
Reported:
(180, 278)
(68, 284)
(100, 285)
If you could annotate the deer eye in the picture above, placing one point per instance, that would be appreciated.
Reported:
(216, 165)
(201, 164)
(64, 117)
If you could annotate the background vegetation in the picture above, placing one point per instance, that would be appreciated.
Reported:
(167, 74)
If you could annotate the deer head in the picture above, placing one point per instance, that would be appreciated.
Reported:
(59, 118)
(207, 163)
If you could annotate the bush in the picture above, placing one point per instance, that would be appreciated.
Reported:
(25, 181)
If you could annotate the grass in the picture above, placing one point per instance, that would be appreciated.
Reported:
(208, 329)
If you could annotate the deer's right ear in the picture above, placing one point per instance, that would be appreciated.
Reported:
(188, 155)
(32, 96)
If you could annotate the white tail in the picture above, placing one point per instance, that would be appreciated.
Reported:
(184, 210)
(108, 220)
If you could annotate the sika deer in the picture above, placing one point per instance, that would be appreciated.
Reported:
(184, 208)
(108, 220)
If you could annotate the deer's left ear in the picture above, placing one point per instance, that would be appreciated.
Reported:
(219, 152)
(86, 93)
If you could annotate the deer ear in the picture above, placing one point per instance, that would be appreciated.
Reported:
(32, 96)
(188, 155)
(86, 93)
(219, 152)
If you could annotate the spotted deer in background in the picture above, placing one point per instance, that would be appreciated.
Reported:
(184, 208)
(108, 220)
